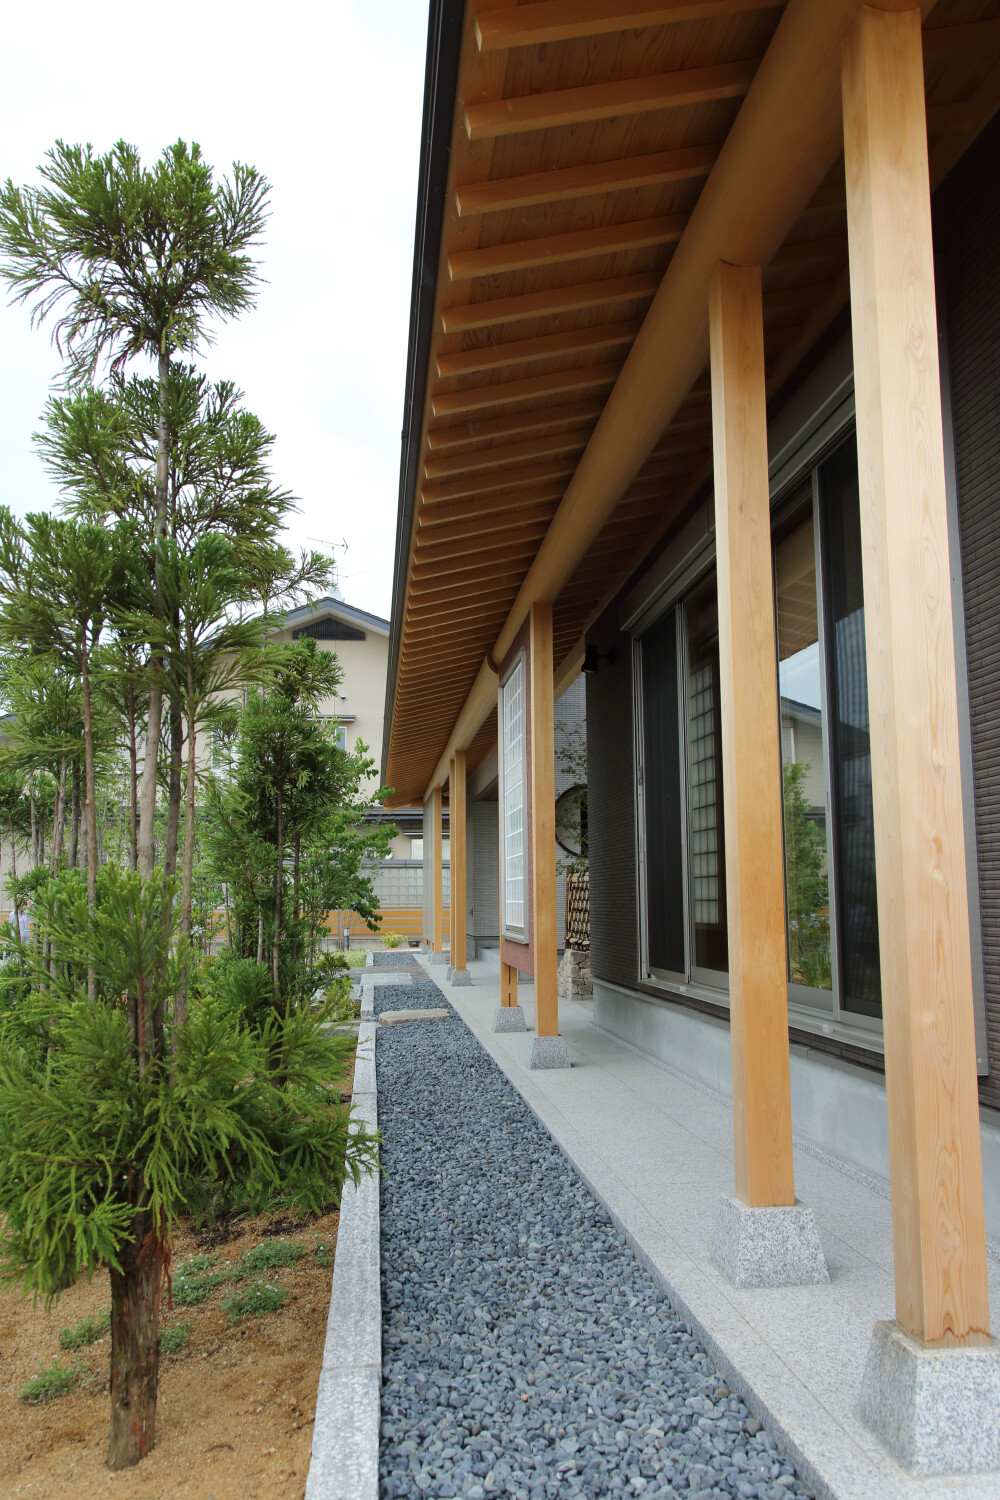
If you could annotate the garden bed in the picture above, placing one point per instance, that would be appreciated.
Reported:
(236, 1405)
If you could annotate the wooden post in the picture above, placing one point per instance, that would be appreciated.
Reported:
(433, 857)
(508, 985)
(758, 989)
(456, 833)
(939, 1241)
(543, 823)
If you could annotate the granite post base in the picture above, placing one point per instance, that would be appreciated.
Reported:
(935, 1410)
(439, 959)
(460, 976)
(509, 1018)
(549, 1052)
(768, 1246)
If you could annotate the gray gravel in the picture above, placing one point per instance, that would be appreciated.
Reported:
(525, 1350)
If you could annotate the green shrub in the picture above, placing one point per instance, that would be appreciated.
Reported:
(176, 1337)
(254, 1300)
(323, 1253)
(270, 1254)
(87, 1331)
(392, 939)
(336, 960)
(49, 1384)
(197, 1277)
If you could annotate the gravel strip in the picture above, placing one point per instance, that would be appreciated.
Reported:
(525, 1351)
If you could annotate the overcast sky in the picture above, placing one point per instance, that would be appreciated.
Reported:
(325, 99)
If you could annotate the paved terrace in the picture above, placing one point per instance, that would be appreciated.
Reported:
(658, 1151)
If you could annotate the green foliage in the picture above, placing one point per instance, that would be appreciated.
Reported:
(176, 1337)
(270, 1254)
(133, 260)
(342, 1005)
(49, 1384)
(87, 1331)
(323, 1252)
(392, 939)
(80, 1125)
(254, 1300)
(807, 895)
(333, 961)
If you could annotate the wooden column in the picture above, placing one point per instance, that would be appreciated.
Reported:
(508, 984)
(456, 833)
(939, 1242)
(751, 762)
(543, 823)
(433, 855)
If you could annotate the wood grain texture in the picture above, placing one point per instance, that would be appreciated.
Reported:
(939, 1244)
(758, 987)
(579, 182)
(548, 346)
(600, 101)
(548, 303)
(566, 20)
(457, 838)
(541, 386)
(508, 984)
(580, 244)
(543, 821)
(433, 832)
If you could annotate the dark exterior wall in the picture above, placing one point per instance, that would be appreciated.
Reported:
(967, 234)
(614, 940)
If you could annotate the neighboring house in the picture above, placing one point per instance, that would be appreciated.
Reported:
(657, 317)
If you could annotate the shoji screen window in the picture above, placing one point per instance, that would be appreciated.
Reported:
(513, 801)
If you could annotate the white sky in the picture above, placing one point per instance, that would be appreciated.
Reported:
(325, 99)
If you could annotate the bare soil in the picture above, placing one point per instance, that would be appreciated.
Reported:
(236, 1407)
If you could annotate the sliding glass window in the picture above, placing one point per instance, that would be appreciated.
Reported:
(822, 704)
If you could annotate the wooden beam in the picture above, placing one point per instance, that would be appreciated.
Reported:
(543, 821)
(495, 503)
(433, 821)
(605, 101)
(548, 346)
(505, 193)
(549, 302)
(473, 716)
(508, 985)
(563, 20)
(460, 433)
(939, 1241)
(580, 244)
(478, 524)
(523, 390)
(513, 553)
(556, 467)
(514, 540)
(506, 453)
(751, 759)
(456, 830)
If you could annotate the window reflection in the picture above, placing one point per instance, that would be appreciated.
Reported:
(704, 781)
(803, 760)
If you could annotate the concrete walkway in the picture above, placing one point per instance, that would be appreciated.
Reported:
(658, 1152)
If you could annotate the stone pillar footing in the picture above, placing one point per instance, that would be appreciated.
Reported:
(768, 1246)
(441, 958)
(509, 1018)
(935, 1410)
(460, 976)
(549, 1052)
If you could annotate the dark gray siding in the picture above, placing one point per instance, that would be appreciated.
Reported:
(967, 231)
(611, 809)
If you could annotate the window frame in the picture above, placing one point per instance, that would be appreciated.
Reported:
(512, 932)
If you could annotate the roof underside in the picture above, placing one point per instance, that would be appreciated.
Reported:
(579, 149)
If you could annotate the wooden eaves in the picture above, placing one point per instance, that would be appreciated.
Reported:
(585, 164)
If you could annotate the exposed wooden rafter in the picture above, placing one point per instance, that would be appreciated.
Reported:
(506, 193)
(564, 20)
(548, 303)
(602, 101)
(458, 434)
(522, 390)
(548, 346)
(582, 244)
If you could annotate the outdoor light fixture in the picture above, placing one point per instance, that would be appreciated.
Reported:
(592, 658)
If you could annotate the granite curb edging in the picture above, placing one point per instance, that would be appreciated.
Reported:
(343, 1463)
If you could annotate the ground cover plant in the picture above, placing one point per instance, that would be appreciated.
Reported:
(143, 1078)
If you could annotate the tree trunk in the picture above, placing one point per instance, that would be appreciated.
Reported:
(260, 938)
(74, 827)
(147, 791)
(34, 825)
(174, 793)
(278, 888)
(58, 817)
(135, 1322)
(295, 900)
(133, 771)
(187, 865)
(90, 805)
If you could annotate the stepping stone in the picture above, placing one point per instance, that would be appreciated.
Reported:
(393, 1017)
